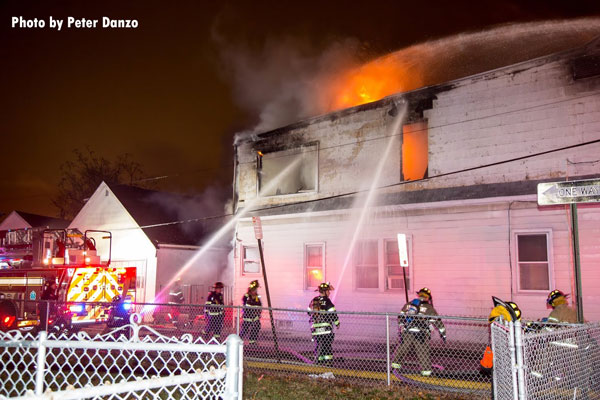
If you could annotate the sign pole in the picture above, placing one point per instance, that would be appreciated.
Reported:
(576, 261)
(259, 235)
(403, 259)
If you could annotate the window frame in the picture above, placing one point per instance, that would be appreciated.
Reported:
(305, 265)
(378, 266)
(409, 268)
(283, 149)
(242, 260)
(517, 264)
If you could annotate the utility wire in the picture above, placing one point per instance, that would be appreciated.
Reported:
(380, 187)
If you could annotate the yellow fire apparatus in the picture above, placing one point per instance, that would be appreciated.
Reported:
(31, 258)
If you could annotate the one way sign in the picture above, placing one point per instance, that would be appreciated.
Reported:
(585, 191)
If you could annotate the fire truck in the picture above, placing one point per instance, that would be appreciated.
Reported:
(32, 258)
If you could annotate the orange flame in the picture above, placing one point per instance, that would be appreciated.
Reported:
(373, 81)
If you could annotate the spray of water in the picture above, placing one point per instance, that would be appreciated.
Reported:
(217, 236)
(368, 200)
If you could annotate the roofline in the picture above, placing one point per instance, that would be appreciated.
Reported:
(440, 87)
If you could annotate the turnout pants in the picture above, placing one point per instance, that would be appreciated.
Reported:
(215, 325)
(323, 347)
(250, 330)
(418, 342)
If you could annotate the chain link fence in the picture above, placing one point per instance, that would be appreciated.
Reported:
(380, 348)
(547, 361)
(129, 361)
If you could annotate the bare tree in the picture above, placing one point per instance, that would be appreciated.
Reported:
(80, 178)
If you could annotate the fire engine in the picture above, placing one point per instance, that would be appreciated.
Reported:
(31, 258)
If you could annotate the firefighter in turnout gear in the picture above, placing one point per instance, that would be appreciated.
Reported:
(323, 317)
(561, 312)
(176, 298)
(415, 330)
(509, 311)
(213, 309)
(48, 307)
(251, 313)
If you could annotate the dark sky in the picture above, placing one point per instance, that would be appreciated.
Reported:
(162, 93)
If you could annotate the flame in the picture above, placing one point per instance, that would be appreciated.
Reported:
(373, 81)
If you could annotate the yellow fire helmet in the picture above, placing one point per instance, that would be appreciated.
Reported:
(253, 285)
(507, 310)
(325, 286)
(556, 297)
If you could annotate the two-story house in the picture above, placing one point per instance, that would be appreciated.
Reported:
(454, 169)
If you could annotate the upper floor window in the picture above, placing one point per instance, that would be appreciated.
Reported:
(288, 171)
(533, 261)
(415, 151)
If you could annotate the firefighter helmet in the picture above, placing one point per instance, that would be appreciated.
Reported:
(325, 286)
(219, 285)
(253, 285)
(509, 310)
(424, 291)
(116, 299)
(554, 298)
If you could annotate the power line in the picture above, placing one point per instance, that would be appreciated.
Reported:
(429, 128)
(382, 187)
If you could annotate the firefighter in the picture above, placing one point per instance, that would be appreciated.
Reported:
(47, 307)
(251, 313)
(509, 311)
(561, 312)
(416, 326)
(176, 298)
(214, 312)
(323, 317)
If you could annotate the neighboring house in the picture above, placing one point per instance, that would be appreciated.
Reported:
(158, 233)
(23, 220)
(471, 232)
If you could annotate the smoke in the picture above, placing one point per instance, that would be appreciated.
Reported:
(277, 83)
(196, 213)
(288, 80)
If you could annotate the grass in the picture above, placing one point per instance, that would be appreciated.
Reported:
(284, 387)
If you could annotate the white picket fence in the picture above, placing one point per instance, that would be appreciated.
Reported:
(134, 361)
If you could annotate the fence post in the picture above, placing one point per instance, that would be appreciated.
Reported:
(513, 362)
(234, 360)
(387, 347)
(522, 392)
(41, 363)
(237, 321)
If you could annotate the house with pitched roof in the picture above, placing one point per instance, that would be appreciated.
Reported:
(159, 233)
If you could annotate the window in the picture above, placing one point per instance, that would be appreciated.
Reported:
(367, 265)
(394, 276)
(250, 260)
(314, 265)
(288, 171)
(533, 263)
(414, 151)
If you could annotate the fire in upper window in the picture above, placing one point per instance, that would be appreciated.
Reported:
(414, 151)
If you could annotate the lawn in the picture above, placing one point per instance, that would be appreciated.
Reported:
(282, 387)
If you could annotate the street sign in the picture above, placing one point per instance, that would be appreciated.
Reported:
(257, 228)
(402, 250)
(584, 191)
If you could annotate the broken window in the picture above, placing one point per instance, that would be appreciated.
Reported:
(367, 265)
(414, 151)
(314, 264)
(288, 171)
(533, 261)
(250, 260)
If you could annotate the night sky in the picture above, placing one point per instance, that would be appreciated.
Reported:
(164, 92)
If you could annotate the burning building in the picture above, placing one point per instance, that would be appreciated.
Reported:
(453, 167)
